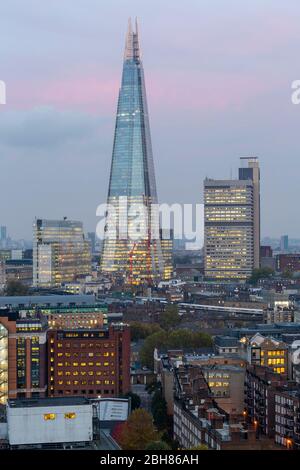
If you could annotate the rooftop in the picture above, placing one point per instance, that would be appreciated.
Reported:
(224, 341)
(53, 401)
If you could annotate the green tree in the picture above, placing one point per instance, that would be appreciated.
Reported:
(287, 274)
(14, 288)
(175, 339)
(142, 330)
(153, 386)
(134, 399)
(260, 273)
(157, 445)
(159, 410)
(201, 340)
(169, 318)
(156, 340)
(138, 431)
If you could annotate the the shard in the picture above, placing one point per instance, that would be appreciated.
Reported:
(132, 179)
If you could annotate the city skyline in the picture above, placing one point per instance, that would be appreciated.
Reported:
(58, 122)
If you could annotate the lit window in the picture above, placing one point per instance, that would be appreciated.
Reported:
(70, 415)
(49, 416)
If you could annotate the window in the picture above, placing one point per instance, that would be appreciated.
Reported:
(70, 415)
(49, 416)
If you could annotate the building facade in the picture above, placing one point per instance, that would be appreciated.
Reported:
(133, 258)
(287, 417)
(232, 225)
(268, 352)
(260, 386)
(60, 252)
(167, 243)
(289, 262)
(89, 362)
(75, 317)
(49, 421)
(226, 383)
(23, 369)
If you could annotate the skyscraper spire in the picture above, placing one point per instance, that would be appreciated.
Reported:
(132, 48)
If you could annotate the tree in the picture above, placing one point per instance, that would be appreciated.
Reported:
(153, 341)
(287, 274)
(159, 410)
(260, 273)
(138, 431)
(134, 399)
(169, 318)
(157, 445)
(175, 339)
(153, 386)
(15, 287)
(140, 330)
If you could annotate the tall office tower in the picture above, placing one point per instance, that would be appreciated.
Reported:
(232, 225)
(134, 258)
(252, 172)
(60, 252)
(3, 233)
(92, 238)
(284, 243)
(167, 246)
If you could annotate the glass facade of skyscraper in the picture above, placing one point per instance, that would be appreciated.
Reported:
(132, 177)
(60, 252)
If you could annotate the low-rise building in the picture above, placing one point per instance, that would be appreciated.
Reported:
(226, 345)
(199, 420)
(282, 311)
(268, 352)
(40, 422)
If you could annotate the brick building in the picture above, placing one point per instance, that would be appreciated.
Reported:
(287, 417)
(288, 262)
(260, 386)
(199, 420)
(89, 362)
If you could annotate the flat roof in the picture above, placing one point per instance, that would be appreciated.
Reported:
(53, 401)
(51, 299)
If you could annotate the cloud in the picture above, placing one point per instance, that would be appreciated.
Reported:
(45, 127)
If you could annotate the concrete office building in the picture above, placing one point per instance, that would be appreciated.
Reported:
(49, 421)
(232, 225)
